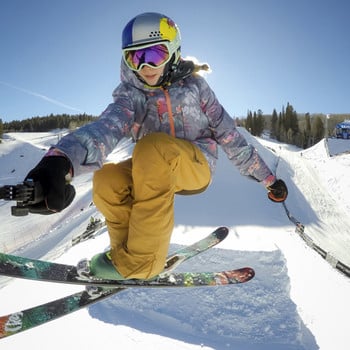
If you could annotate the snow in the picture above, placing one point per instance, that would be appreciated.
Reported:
(297, 301)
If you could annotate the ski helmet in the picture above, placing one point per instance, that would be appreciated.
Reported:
(152, 28)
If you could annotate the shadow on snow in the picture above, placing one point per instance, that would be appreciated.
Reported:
(258, 315)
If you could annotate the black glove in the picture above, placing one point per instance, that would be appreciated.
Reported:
(278, 191)
(51, 174)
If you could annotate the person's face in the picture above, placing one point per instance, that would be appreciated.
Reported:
(151, 75)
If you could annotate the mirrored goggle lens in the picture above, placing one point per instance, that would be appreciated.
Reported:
(155, 56)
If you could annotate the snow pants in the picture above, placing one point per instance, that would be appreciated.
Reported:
(136, 198)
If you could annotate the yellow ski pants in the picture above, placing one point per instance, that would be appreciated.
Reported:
(136, 198)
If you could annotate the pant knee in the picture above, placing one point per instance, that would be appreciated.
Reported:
(102, 178)
(112, 181)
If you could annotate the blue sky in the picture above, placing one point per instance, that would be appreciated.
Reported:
(64, 56)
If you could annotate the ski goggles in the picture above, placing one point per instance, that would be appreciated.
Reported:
(154, 56)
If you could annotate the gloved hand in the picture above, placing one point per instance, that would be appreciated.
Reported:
(277, 192)
(51, 172)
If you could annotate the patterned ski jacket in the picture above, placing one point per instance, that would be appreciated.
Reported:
(187, 109)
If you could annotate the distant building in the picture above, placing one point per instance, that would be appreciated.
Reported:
(342, 130)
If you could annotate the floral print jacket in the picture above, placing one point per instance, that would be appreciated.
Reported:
(187, 109)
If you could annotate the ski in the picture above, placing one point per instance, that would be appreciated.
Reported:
(17, 322)
(92, 231)
(177, 279)
(20, 267)
(23, 320)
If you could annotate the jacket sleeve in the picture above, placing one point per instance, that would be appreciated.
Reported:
(88, 146)
(243, 155)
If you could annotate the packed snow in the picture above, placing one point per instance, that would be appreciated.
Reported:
(297, 300)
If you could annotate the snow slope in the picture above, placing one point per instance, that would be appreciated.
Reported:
(296, 301)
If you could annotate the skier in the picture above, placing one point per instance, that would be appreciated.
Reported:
(177, 124)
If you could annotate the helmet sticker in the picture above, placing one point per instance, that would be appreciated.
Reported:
(167, 29)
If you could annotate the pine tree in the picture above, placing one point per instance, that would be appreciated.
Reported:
(291, 124)
(318, 129)
(307, 131)
(1, 129)
(260, 123)
(274, 125)
(249, 122)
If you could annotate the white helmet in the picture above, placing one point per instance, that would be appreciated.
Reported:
(152, 28)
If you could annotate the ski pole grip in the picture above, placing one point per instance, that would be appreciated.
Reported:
(28, 193)
(25, 194)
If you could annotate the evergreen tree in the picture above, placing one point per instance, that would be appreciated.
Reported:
(281, 126)
(291, 124)
(249, 122)
(307, 131)
(1, 129)
(318, 129)
(274, 125)
(260, 123)
(255, 123)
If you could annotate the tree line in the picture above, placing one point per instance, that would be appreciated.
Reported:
(302, 130)
(47, 123)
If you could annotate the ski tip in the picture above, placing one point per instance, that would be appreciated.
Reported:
(241, 275)
(221, 232)
(250, 272)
